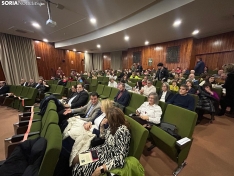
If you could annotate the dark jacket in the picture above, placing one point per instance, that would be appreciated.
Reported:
(81, 99)
(25, 159)
(44, 89)
(139, 68)
(162, 74)
(38, 86)
(168, 96)
(192, 91)
(205, 101)
(124, 99)
(229, 85)
(199, 68)
(4, 89)
(45, 101)
(32, 85)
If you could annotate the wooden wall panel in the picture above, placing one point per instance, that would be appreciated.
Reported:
(106, 61)
(157, 53)
(216, 50)
(2, 76)
(52, 58)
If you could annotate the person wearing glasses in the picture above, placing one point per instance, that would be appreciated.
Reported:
(165, 95)
(183, 99)
(149, 111)
(147, 89)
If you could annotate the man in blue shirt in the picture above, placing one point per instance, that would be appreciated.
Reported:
(199, 68)
(182, 99)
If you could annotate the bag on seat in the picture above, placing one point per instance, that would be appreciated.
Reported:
(170, 129)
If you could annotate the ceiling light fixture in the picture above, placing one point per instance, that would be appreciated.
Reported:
(86, 51)
(45, 40)
(146, 42)
(79, 52)
(195, 32)
(99, 46)
(37, 41)
(74, 49)
(36, 25)
(126, 38)
(177, 23)
(93, 20)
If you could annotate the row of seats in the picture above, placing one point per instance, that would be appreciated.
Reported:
(27, 94)
(56, 90)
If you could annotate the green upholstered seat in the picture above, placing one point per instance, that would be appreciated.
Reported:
(163, 106)
(100, 88)
(185, 122)
(105, 81)
(113, 93)
(93, 85)
(106, 92)
(29, 100)
(136, 101)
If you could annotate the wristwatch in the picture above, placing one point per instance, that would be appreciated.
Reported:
(102, 170)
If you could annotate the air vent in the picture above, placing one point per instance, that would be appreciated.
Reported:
(20, 30)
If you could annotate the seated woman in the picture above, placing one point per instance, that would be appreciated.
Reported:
(165, 94)
(138, 86)
(149, 111)
(210, 79)
(134, 76)
(174, 86)
(191, 90)
(115, 149)
(72, 130)
(208, 101)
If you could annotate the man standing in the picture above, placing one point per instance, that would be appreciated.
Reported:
(59, 72)
(147, 89)
(162, 73)
(90, 110)
(139, 67)
(182, 99)
(199, 68)
(122, 96)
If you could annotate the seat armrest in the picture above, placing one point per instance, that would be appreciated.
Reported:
(55, 93)
(20, 137)
(25, 122)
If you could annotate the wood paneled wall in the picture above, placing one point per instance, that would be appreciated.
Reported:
(52, 58)
(2, 76)
(216, 50)
(157, 53)
(106, 61)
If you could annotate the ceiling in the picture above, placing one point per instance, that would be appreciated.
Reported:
(141, 20)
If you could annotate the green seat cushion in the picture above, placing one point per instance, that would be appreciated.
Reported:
(131, 167)
(103, 96)
(36, 126)
(129, 110)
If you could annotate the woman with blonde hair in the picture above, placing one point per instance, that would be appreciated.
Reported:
(115, 149)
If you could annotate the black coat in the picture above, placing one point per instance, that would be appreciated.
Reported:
(81, 99)
(139, 68)
(205, 101)
(26, 84)
(168, 96)
(229, 85)
(4, 89)
(25, 159)
(124, 99)
(162, 74)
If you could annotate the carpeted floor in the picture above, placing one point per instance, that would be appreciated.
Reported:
(211, 153)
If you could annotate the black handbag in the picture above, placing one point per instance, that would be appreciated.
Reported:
(170, 129)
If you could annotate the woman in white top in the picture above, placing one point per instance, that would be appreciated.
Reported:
(165, 94)
(149, 111)
(112, 82)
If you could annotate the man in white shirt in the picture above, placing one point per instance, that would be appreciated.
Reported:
(147, 89)
(112, 82)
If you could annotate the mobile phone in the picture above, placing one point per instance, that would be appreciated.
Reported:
(94, 154)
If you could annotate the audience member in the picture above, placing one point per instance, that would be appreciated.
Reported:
(222, 79)
(59, 72)
(178, 70)
(165, 95)
(182, 99)
(44, 87)
(31, 83)
(149, 111)
(174, 86)
(144, 80)
(127, 87)
(122, 96)
(172, 73)
(191, 90)
(199, 68)
(218, 75)
(133, 76)
(149, 88)
(210, 79)
(4, 88)
(39, 84)
(192, 78)
(23, 82)
(112, 82)
(138, 86)
(139, 68)
(162, 73)
(192, 71)
(63, 82)
(113, 152)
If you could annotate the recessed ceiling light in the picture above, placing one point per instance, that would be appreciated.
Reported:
(37, 41)
(67, 50)
(93, 20)
(79, 52)
(86, 51)
(74, 49)
(45, 40)
(195, 32)
(36, 25)
(126, 38)
(99, 46)
(177, 23)
(146, 42)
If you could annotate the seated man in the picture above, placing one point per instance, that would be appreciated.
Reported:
(89, 111)
(192, 78)
(23, 82)
(122, 96)
(147, 89)
(39, 84)
(127, 87)
(182, 99)
(3, 90)
(31, 83)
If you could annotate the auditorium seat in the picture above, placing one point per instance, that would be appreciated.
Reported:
(23, 94)
(163, 106)
(135, 102)
(105, 81)
(93, 85)
(29, 100)
(113, 93)
(185, 122)
(106, 92)
(100, 88)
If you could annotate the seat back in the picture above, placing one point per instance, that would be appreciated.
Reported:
(100, 88)
(59, 89)
(73, 83)
(53, 149)
(24, 92)
(113, 93)
(195, 100)
(49, 82)
(218, 91)
(138, 138)
(163, 106)
(18, 90)
(136, 100)
(53, 87)
(185, 120)
(105, 80)
(68, 85)
(12, 88)
(100, 78)
(106, 91)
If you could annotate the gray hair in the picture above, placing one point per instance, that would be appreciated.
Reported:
(156, 99)
(167, 85)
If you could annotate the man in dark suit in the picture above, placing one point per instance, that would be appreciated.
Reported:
(122, 96)
(31, 83)
(23, 82)
(199, 68)
(162, 73)
(39, 84)
(139, 67)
